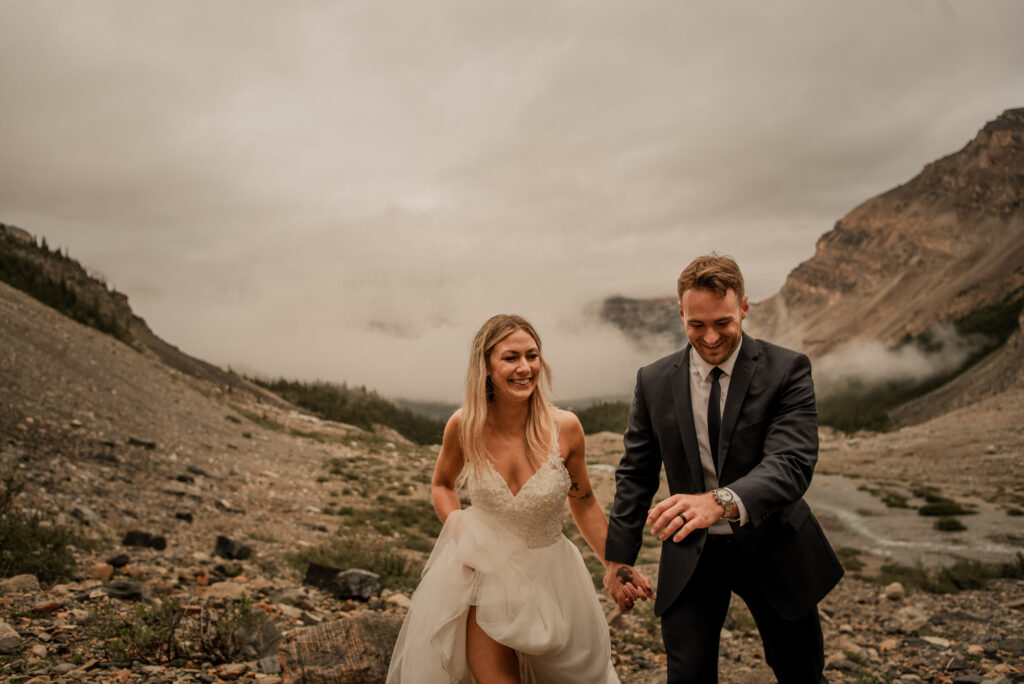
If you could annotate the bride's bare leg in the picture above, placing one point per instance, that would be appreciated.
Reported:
(489, 661)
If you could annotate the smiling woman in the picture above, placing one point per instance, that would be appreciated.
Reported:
(505, 597)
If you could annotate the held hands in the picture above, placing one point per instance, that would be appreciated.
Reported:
(681, 514)
(626, 584)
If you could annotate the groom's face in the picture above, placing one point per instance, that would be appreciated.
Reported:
(714, 324)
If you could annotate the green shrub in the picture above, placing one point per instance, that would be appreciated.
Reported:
(944, 508)
(163, 632)
(949, 524)
(29, 543)
(148, 632)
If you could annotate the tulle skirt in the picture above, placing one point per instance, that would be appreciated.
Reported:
(538, 601)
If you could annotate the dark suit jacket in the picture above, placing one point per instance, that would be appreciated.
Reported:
(767, 451)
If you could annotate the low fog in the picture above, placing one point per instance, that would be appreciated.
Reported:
(346, 191)
(868, 363)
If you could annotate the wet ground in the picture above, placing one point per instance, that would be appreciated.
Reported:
(854, 515)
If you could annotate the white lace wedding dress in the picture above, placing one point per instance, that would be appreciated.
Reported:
(506, 555)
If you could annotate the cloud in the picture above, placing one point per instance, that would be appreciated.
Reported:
(347, 190)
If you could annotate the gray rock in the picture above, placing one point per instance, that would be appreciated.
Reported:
(231, 549)
(124, 590)
(19, 583)
(895, 592)
(269, 665)
(1014, 645)
(85, 514)
(910, 619)
(357, 584)
(10, 640)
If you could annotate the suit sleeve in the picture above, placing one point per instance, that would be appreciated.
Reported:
(636, 481)
(790, 449)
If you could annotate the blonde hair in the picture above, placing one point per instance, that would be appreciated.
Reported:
(480, 394)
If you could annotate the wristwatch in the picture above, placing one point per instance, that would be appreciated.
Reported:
(727, 501)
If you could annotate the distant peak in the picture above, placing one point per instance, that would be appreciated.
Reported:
(1011, 119)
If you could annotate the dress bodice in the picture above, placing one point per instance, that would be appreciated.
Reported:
(534, 514)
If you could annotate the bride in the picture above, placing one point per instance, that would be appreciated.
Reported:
(505, 597)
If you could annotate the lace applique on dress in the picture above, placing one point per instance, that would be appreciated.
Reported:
(534, 513)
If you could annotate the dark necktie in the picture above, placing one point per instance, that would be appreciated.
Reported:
(715, 414)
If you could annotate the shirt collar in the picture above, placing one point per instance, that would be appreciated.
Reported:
(703, 368)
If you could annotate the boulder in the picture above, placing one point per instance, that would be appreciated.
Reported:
(19, 583)
(231, 549)
(344, 584)
(10, 640)
(353, 650)
(140, 538)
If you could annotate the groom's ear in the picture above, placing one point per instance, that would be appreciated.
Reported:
(681, 309)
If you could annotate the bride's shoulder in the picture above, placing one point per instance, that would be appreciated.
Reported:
(569, 425)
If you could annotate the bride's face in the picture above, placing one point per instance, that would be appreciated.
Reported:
(514, 366)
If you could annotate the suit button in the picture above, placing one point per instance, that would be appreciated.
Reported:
(700, 547)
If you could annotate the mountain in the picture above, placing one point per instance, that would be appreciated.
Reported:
(64, 284)
(929, 275)
(943, 247)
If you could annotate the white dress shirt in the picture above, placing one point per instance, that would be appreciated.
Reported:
(700, 392)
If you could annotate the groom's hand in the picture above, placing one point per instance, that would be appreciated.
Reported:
(626, 585)
(681, 514)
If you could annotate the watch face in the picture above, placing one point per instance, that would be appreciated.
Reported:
(723, 495)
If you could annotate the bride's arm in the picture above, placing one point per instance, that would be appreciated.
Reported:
(446, 470)
(586, 511)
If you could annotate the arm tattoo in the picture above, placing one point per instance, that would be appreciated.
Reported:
(625, 575)
(574, 491)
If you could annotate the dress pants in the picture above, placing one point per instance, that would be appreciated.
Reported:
(692, 625)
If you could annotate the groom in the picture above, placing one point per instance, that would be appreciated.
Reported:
(732, 419)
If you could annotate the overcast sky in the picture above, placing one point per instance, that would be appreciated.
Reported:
(346, 190)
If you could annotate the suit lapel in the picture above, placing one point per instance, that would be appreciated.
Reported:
(746, 366)
(684, 414)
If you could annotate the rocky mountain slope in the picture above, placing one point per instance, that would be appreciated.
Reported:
(936, 264)
(946, 244)
(62, 282)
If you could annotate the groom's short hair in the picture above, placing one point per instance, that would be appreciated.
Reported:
(712, 272)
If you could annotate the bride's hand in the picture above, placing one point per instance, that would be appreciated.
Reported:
(626, 584)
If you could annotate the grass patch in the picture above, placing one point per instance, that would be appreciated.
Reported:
(393, 516)
(957, 577)
(604, 416)
(396, 570)
(850, 559)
